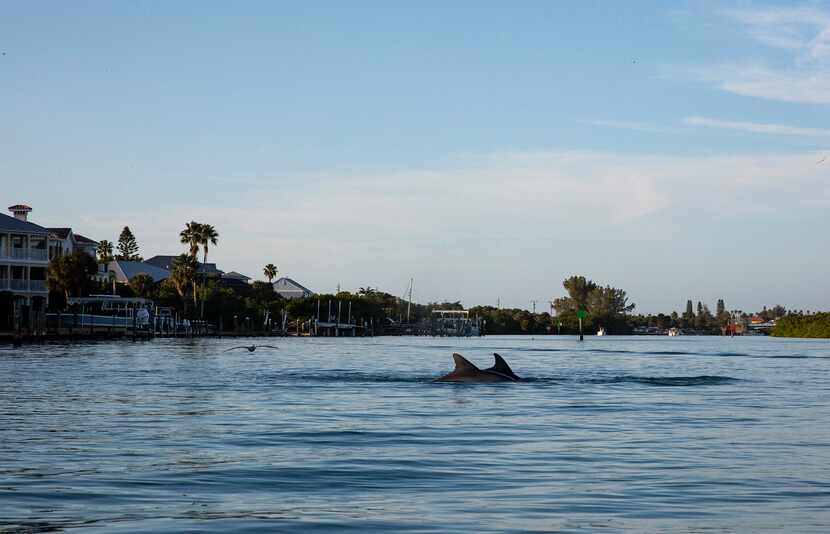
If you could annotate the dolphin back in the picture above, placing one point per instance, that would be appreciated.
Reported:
(466, 371)
(502, 368)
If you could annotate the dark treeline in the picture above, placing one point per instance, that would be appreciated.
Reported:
(800, 324)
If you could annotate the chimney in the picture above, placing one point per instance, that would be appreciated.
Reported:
(20, 211)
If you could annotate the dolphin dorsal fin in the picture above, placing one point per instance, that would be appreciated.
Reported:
(462, 363)
(502, 367)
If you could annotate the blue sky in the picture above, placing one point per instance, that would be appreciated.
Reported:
(487, 149)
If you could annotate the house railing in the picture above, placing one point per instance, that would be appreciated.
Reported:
(37, 254)
(24, 285)
(37, 285)
(19, 285)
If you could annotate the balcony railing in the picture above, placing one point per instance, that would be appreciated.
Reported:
(36, 254)
(24, 285)
(19, 285)
(37, 285)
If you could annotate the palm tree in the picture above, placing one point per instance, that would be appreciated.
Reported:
(270, 272)
(191, 236)
(207, 235)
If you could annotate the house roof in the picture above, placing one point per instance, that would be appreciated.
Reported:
(127, 269)
(60, 233)
(166, 262)
(9, 223)
(236, 276)
(83, 239)
(289, 281)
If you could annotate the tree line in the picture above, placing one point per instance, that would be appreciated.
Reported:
(195, 294)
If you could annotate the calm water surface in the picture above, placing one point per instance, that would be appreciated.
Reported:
(642, 434)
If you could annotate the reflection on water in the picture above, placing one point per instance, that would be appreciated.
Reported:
(640, 434)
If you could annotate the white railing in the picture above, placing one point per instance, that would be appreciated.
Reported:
(37, 285)
(38, 254)
(24, 285)
(19, 285)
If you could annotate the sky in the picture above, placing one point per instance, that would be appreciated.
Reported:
(486, 149)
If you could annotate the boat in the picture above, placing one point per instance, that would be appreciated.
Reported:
(673, 332)
(601, 331)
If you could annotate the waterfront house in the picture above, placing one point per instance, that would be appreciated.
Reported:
(23, 262)
(290, 289)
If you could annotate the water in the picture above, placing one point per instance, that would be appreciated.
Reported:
(640, 434)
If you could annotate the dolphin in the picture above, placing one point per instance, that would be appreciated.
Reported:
(467, 372)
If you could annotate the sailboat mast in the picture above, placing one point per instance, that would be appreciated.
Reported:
(409, 301)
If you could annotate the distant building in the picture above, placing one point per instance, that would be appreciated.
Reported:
(166, 262)
(125, 270)
(24, 258)
(289, 289)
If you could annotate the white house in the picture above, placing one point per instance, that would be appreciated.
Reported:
(63, 241)
(23, 262)
(290, 289)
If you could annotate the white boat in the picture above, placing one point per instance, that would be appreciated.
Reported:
(601, 331)
(674, 332)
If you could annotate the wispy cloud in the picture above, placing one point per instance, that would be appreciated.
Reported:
(802, 29)
(629, 125)
(802, 33)
(756, 127)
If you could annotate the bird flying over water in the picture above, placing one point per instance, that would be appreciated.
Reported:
(822, 160)
(251, 348)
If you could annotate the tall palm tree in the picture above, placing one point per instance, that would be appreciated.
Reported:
(270, 272)
(191, 236)
(207, 235)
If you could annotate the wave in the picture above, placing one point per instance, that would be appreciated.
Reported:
(702, 380)
(356, 377)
